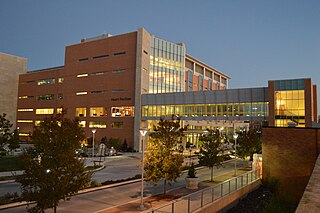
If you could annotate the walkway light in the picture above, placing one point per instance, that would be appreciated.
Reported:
(143, 132)
(235, 136)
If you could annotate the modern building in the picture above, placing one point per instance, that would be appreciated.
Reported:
(119, 84)
(10, 68)
(102, 81)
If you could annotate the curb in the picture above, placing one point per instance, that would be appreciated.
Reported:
(7, 181)
(23, 203)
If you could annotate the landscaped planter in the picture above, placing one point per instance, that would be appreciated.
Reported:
(192, 183)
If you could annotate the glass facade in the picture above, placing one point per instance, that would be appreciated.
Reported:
(289, 102)
(166, 67)
(196, 110)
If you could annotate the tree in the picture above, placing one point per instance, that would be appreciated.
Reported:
(14, 140)
(52, 172)
(115, 143)
(162, 161)
(211, 150)
(7, 137)
(249, 142)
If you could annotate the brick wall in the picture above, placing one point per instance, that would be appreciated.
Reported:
(289, 154)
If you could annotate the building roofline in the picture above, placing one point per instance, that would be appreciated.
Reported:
(7, 54)
(200, 62)
(46, 69)
(99, 37)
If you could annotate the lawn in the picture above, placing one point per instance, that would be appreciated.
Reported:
(9, 163)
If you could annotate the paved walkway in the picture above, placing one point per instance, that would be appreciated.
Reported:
(158, 200)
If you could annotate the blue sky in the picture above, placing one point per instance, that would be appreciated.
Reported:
(250, 40)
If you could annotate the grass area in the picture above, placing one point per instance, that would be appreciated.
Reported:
(10, 163)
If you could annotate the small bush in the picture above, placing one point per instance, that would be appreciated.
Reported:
(192, 171)
(10, 198)
(281, 204)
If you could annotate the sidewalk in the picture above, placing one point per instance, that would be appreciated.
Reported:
(158, 200)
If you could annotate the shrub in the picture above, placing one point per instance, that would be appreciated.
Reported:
(192, 171)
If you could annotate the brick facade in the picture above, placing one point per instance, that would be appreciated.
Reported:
(289, 154)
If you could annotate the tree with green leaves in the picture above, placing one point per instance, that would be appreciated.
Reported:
(249, 142)
(211, 150)
(52, 172)
(14, 140)
(7, 137)
(163, 161)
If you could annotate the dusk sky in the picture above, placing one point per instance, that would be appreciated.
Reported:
(252, 41)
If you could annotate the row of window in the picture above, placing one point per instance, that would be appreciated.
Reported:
(46, 81)
(42, 111)
(92, 124)
(99, 91)
(195, 110)
(101, 56)
(60, 95)
(61, 79)
(100, 73)
(120, 111)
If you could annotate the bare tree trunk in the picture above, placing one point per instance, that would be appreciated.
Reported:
(211, 174)
(164, 187)
(55, 208)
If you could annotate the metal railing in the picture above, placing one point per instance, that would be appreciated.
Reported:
(197, 200)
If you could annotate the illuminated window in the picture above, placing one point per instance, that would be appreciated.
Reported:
(166, 71)
(60, 80)
(59, 110)
(198, 110)
(122, 111)
(97, 111)
(117, 125)
(23, 134)
(81, 112)
(81, 93)
(45, 97)
(46, 81)
(25, 121)
(45, 111)
(26, 97)
(82, 123)
(37, 123)
(82, 75)
(98, 124)
(25, 110)
(289, 107)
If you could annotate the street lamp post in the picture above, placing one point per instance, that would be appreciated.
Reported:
(143, 132)
(235, 136)
(93, 132)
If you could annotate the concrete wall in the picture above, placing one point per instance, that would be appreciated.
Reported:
(10, 68)
(224, 202)
(310, 201)
(289, 154)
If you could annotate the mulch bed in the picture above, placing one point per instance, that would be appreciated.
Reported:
(254, 202)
